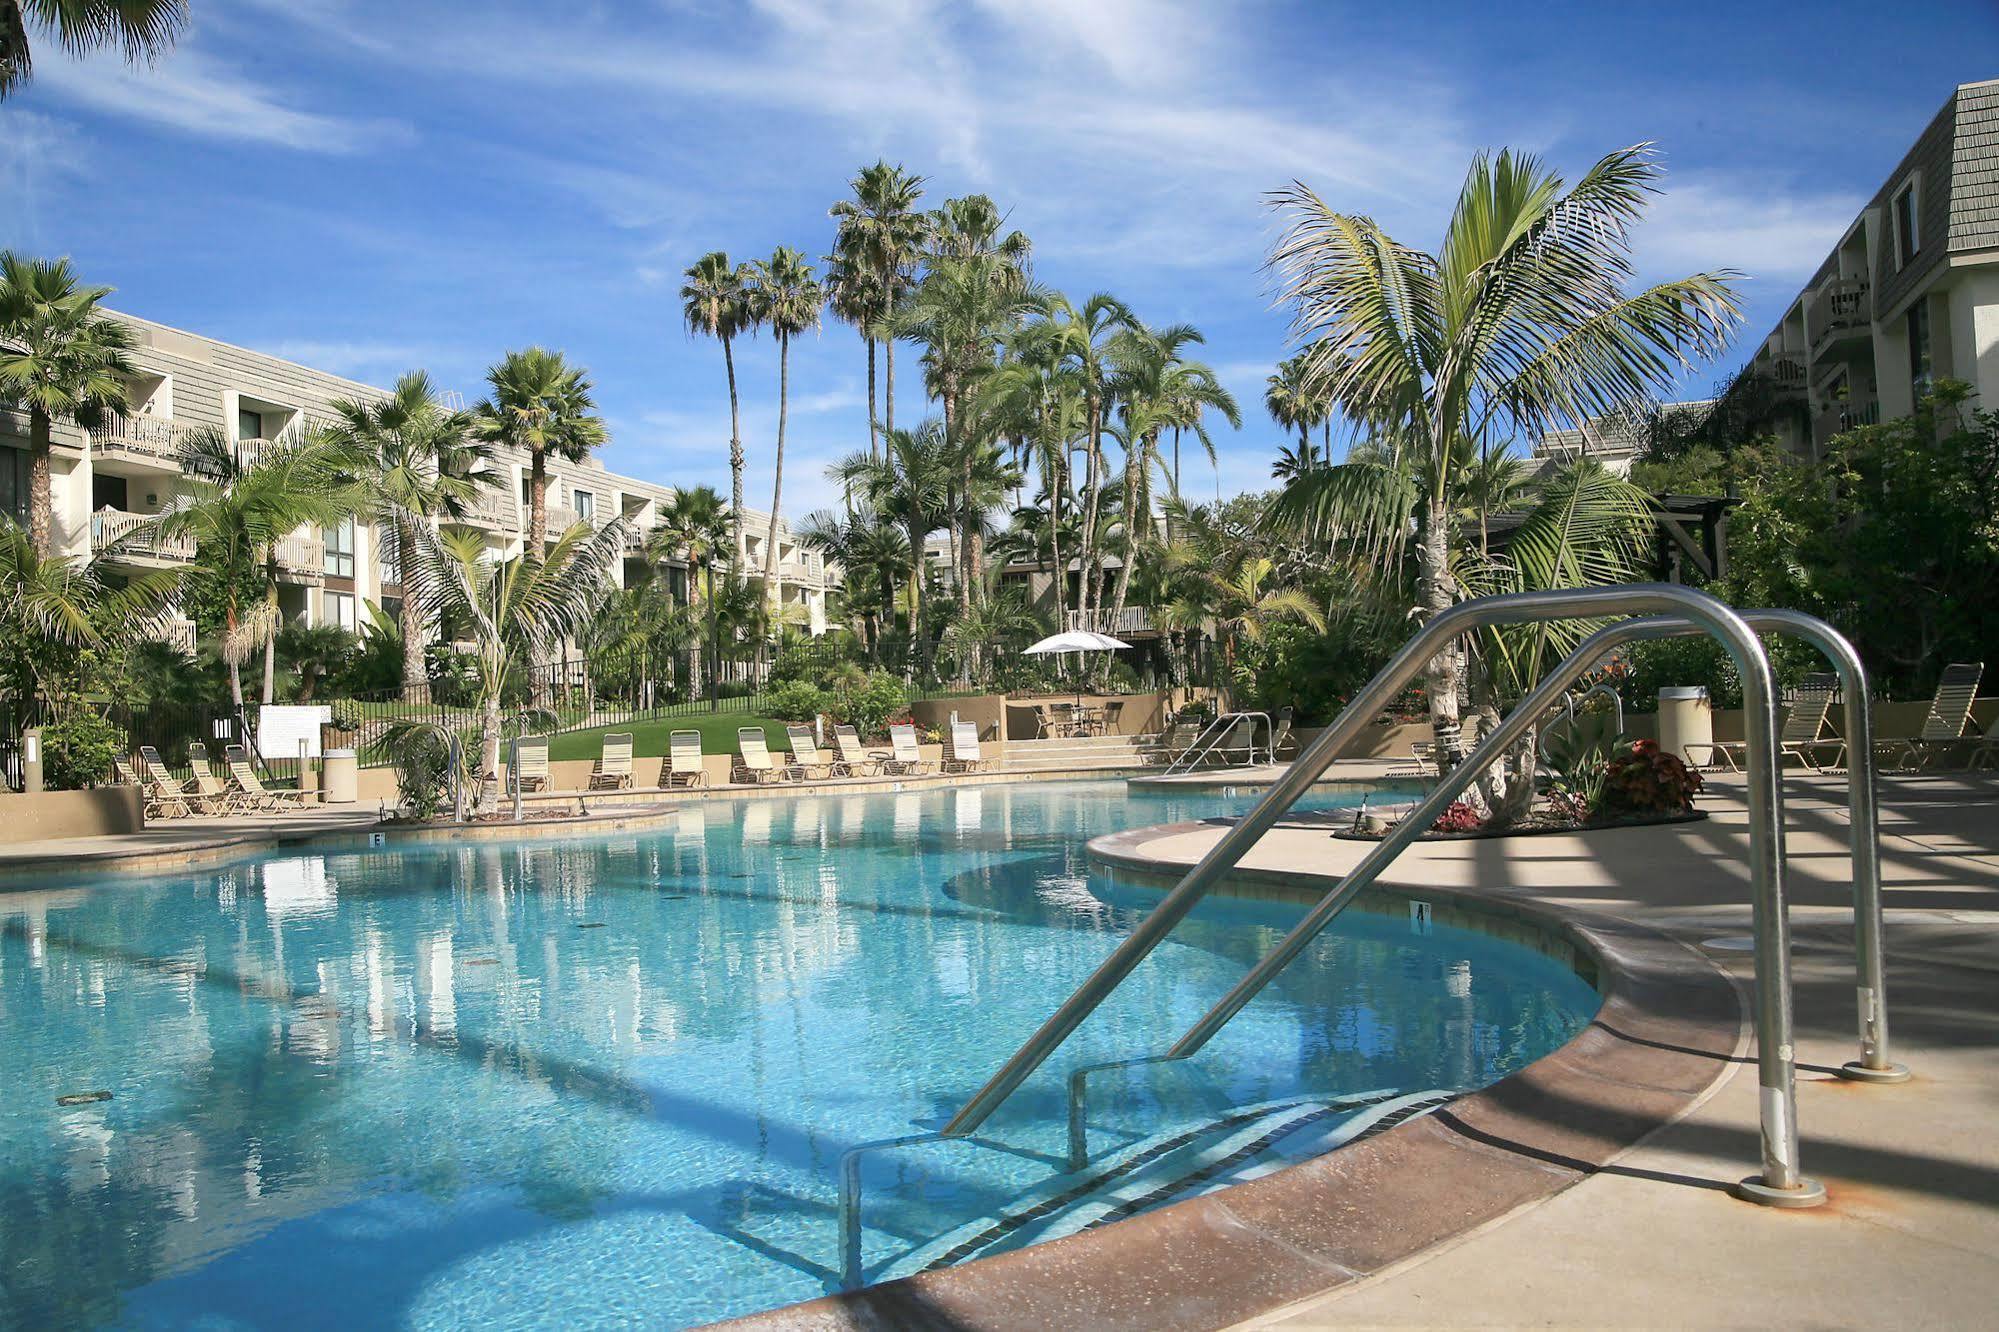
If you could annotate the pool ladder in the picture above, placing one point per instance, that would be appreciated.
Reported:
(1659, 610)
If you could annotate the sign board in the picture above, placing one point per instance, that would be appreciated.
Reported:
(280, 728)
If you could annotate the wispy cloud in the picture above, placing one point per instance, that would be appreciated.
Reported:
(1758, 226)
(38, 156)
(192, 92)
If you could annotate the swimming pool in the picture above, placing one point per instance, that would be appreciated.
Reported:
(609, 1081)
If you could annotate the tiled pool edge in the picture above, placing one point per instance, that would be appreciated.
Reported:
(1671, 1027)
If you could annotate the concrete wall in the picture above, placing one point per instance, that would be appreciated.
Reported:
(105, 811)
(1142, 714)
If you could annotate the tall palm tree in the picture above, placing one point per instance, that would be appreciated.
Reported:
(518, 610)
(1082, 339)
(873, 265)
(1242, 600)
(52, 607)
(695, 526)
(872, 551)
(237, 512)
(141, 29)
(1521, 320)
(419, 461)
(715, 302)
(541, 405)
(785, 297)
(58, 357)
(1294, 404)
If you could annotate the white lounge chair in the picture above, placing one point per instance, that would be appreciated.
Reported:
(251, 787)
(854, 760)
(614, 763)
(1943, 727)
(684, 764)
(156, 801)
(806, 759)
(1800, 737)
(906, 759)
(753, 763)
(533, 773)
(964, 755)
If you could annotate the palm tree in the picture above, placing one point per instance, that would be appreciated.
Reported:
(1293, 404)
(518, 610)
(541, 405)
(1293, 463)
(695, 526)
(873, 265)
(419, 459)
(52, 608)
(872, 551)
(785, 297)
(1081, 341)
(912, 484)
(715, 302)
(58, 357)
(1521, 319)
(141, 29)
(237, 513)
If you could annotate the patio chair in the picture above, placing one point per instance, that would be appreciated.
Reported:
(1943, 727)
(614, 763)
(207, 785)
(856, 761)
(906, 759)
(753, 763)
(533, 773)
(1986, 753)
(256, 795)
(806, 760)
(1802, 733)
(197, 801)
(1422, 760)
(683, 765)
(964, 755)
(1113, 712)
(1281, 740)
(155, 801)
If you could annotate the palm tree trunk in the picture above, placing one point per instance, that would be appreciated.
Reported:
(777, 472)
(1055, 482)
(489, 752)
(1134, 468)
(1092, 482)
(538, 507)
(41, 503)
(271, 630)
(888, 390)
(1445, 671)
(409, 617)
(735, 466)
(874, 422)
(229, 623)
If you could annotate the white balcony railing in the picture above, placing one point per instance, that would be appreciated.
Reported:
(492, 506)
(302, 558)
(114, 532)
(1840, 308)
(177, 634)
(149, 438)
(1132, 620)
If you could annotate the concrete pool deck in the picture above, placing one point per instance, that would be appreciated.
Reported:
(1911, 1233)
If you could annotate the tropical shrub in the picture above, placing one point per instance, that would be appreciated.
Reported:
(1461, 817)
(795, 700)
(1642, 778)
(77, 750)
(867, 704)
(421, 758)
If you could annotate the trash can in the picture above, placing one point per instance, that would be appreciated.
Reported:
(341, 779)
(1686, 719)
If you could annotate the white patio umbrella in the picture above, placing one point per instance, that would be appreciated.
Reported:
(1077, 640)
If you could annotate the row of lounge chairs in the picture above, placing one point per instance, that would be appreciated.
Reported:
(239, 791)
(1941, 742)
(685, 762)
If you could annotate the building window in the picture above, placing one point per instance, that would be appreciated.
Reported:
(1920, 370)
(586, 506)
(1907, 239)
(249, 424)
(338, 609)
(14, 484)
(340, 550)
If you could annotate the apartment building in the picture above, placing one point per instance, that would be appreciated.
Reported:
(1908, 296)
(107, 480)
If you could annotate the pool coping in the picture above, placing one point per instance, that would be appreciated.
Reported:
(1671, 1028)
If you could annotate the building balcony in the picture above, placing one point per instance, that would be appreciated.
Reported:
(115, 535)
(301, 559)
(1787, 376)
(177, 634)
(1840, 315)
(151, 441)
(492, 507)
(1840, 417)
(1132, 620)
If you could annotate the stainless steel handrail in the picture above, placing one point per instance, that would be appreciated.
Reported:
(1569, 703)
(1781, 1180)
(852, 1269)
(1217, 731)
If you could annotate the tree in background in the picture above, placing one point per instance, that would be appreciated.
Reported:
(541, 405)
(58, 356)
(419, 462)
(785, 298)
(142, 30)
(873, 267)
(696, 527)
(715, 302)
(1521, 320)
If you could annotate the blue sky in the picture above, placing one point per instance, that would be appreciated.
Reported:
(370, 186)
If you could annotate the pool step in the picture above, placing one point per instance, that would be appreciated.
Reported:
(1080, 752)
(1242, 1145)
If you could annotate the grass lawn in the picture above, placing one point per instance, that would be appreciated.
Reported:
(718, 735)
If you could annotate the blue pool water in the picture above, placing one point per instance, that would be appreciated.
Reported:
(609, 1081)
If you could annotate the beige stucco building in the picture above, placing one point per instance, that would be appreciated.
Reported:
(106, 480)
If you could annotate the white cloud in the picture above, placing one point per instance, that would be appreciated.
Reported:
(1756, 225)
(194, 93)
(369, 362)
(39, 155)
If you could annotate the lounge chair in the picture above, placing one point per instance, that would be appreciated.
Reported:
(683, 765)
(156, 801)
(208, 786)
(1282, 739)
(255, 795)
(806, 760)
(1801, 735)
(906, 759)
(533, 772)
(1422, 760)
(1986, 754)
(753, 758)
(1943, 727)
(854, 760)
(1179, 738)
(614, 763)
(964, 755)
(198, 801)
